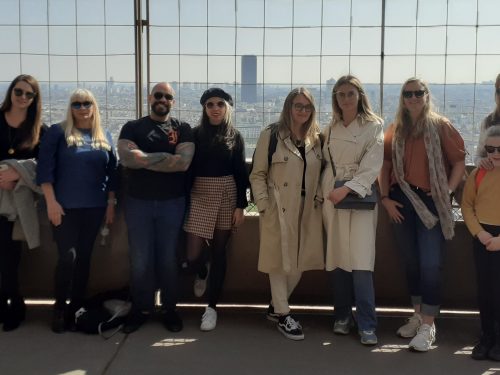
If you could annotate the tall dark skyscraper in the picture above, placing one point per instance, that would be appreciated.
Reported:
(249, 78)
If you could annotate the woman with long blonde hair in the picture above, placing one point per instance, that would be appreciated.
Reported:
(424, 161)
(285, 187)
(77, 173)
(353, 152)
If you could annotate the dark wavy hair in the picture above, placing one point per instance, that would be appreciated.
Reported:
(225, 131)
(29, 130)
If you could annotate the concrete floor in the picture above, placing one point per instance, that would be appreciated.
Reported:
(244, 342)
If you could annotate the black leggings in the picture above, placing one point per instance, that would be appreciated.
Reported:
(75, 239)
(218, 244)
(10, 258)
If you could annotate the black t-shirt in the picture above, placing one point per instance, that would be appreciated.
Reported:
(213, 158)
(10, 139)
(152, 136)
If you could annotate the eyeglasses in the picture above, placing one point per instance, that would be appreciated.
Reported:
(20, 92)
(78, 105)
(210, 105)
(491, 149)
(299, 107)
(348, 95)
(159, 95)
(418, 94)
(498, 91)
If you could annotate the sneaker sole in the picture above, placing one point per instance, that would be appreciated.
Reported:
(207, 329)
(405, 336)
(289, 336)
(369, 343)
(272, 318)
(341, 332)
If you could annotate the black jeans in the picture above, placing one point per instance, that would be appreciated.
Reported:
(488, 283)
(75, 239)
(10, 258)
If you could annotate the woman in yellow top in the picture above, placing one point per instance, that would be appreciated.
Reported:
(480, 209)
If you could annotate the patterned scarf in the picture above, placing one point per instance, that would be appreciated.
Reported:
(438, 180)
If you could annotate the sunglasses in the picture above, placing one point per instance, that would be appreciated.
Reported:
(211, 105)
(299, 107)
(492, 149)
(78, 105)
(20, 92)
(417, 93)
(498, 91)
(159, 95)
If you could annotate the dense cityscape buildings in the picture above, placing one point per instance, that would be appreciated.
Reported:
(464, 104)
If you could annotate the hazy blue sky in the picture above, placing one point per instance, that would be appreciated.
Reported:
(303, 41)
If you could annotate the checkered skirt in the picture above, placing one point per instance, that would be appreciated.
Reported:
(213, 200)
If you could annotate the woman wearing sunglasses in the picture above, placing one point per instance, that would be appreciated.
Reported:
(424, 161)
(285, 185)
(218, 196)
(482, 159)
(20, 131)
(354, 147)
(480, 208)
(77, 173)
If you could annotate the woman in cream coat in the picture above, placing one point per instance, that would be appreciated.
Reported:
(354, 140)
(285, 192)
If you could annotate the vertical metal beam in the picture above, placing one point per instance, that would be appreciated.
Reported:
(138, 57)
(382, 60)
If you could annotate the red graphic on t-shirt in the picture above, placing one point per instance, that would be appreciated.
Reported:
(173, 137)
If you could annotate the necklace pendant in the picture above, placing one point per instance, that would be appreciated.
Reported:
(11, 151)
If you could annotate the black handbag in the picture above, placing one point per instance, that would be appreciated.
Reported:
(352, 201)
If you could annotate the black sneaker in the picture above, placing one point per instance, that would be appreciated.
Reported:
(15, 314)
(271, 315)
(290, 327)
(480, 351)
(172, 321)
(494, 352)
(134, 321)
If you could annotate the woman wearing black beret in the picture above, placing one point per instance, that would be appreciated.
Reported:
(218, 196)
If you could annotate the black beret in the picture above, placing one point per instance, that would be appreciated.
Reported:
(216, 92)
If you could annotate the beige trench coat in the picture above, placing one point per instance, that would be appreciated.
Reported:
(288, 244)
(357, 152)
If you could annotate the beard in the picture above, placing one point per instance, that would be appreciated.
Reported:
(160, 109)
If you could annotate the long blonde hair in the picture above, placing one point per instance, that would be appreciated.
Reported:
(73, 136)
(285, 120)
(403, 124)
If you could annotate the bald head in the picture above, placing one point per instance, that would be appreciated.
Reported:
(161, 101)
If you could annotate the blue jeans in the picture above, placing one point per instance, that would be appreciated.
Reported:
(357, 287)
(153, 232)
(423, 252)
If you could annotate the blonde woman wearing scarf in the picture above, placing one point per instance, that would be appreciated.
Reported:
(424, 160)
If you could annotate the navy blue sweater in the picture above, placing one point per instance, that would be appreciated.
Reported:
(81, 176)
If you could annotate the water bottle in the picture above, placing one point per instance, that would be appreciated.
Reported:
(104, 235)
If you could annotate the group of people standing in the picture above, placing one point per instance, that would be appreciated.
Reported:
(196, 180)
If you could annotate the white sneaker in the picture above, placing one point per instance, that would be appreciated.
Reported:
(208, 319)
(425, 337)
(200, 285)
(411, 327)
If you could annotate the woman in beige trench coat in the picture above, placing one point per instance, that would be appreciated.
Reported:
(354, 140)
(285, 189)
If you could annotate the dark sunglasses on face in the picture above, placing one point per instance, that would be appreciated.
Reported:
(498, 91)
(417, 93)
(78, 105)
(491, 149)
(299, 107)
(210, 105)
(159, 95)
(20, 92)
